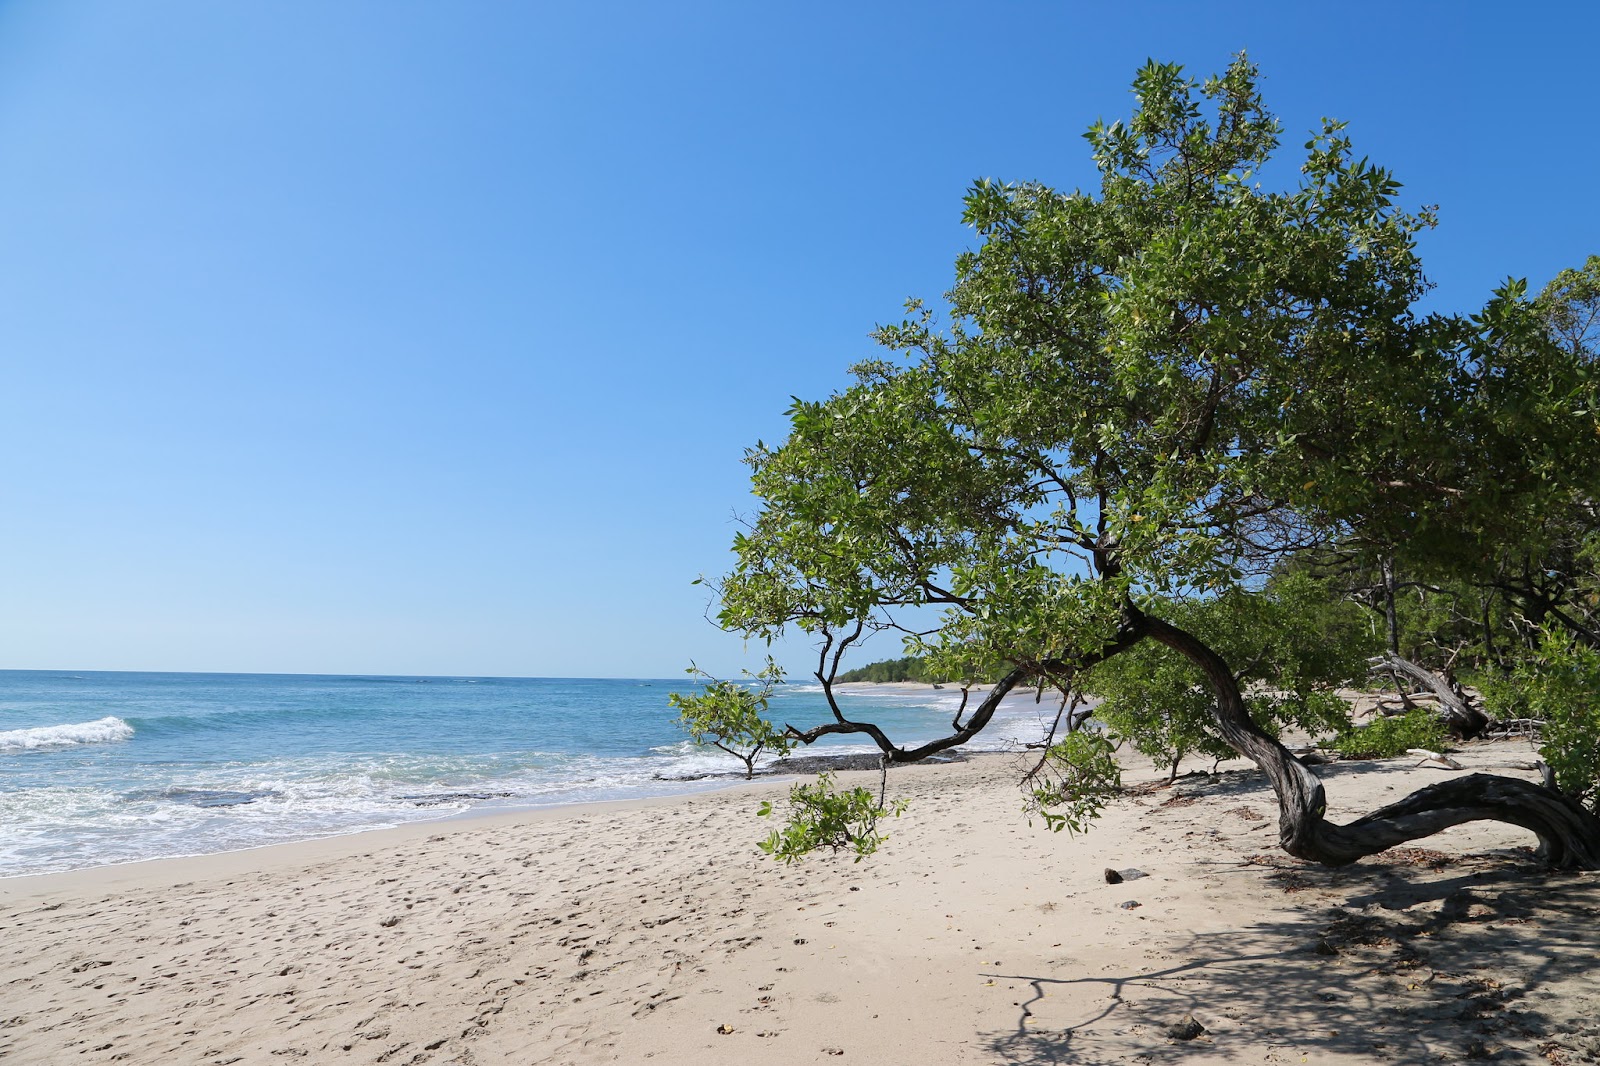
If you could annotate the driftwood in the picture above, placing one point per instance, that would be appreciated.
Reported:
(1461, 715)
(1515, 727)
(1405, 704)
(1434, 759)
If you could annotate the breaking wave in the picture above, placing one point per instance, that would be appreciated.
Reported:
(47, 737)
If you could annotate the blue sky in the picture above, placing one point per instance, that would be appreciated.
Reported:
(426, 338)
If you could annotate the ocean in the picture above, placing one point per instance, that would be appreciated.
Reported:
(99, 768)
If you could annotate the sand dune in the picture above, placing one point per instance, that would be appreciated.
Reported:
(654, 932)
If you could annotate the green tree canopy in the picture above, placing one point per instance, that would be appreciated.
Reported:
(1151, 394)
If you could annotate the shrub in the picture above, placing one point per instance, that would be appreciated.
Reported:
(1386, 738)
(820, 817)
(1560, 684)
(1071, 784)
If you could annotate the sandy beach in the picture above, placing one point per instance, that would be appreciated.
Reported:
(654, 931)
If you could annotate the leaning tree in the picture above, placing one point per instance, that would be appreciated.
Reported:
(1151, 395)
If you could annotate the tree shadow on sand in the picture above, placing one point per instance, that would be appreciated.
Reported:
(1427, 959)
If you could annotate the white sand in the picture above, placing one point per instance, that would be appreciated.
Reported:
(632, 932)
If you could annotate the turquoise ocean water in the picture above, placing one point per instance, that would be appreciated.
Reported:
(100, 768)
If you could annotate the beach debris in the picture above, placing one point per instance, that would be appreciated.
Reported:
(1112, 877)
(1187, 1029)
(724, 1028)
(833, 1051)
(1131, 904)
(1434, 759)
(1433, 860)
(1116, 877)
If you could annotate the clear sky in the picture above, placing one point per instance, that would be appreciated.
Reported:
(425, 338)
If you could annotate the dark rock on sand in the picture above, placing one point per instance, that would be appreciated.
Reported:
(1187, 1029)
(809, 764)
(199, 797)
(816, 764)
(442, 798)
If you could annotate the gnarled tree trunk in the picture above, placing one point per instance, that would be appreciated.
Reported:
(1461, 716)
(1569, 836)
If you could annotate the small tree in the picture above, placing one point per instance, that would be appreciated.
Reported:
(732, 716)
(820, 816)
(1385, 738)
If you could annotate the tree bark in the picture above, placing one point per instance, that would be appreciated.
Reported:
(1491, 647)
(1391, 626)
(1391, 620)
(1569, 836)
(1464, 720)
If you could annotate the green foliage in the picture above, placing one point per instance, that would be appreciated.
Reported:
(910, 668)
(1560, 685)
(1385, 738)
(1147, 396)
(1523, 403)
(1570, 305)
(1290, 645)
(921, 670)
(732, 716)
(1077, 775)
(1134, 386)
(821, 817)
(1517, 553)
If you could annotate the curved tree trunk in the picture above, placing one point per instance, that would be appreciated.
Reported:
(1569, 836)
(1463, 719)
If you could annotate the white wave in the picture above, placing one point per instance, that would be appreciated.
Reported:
(47, 737)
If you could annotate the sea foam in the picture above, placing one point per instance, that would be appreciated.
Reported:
(42, 738)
